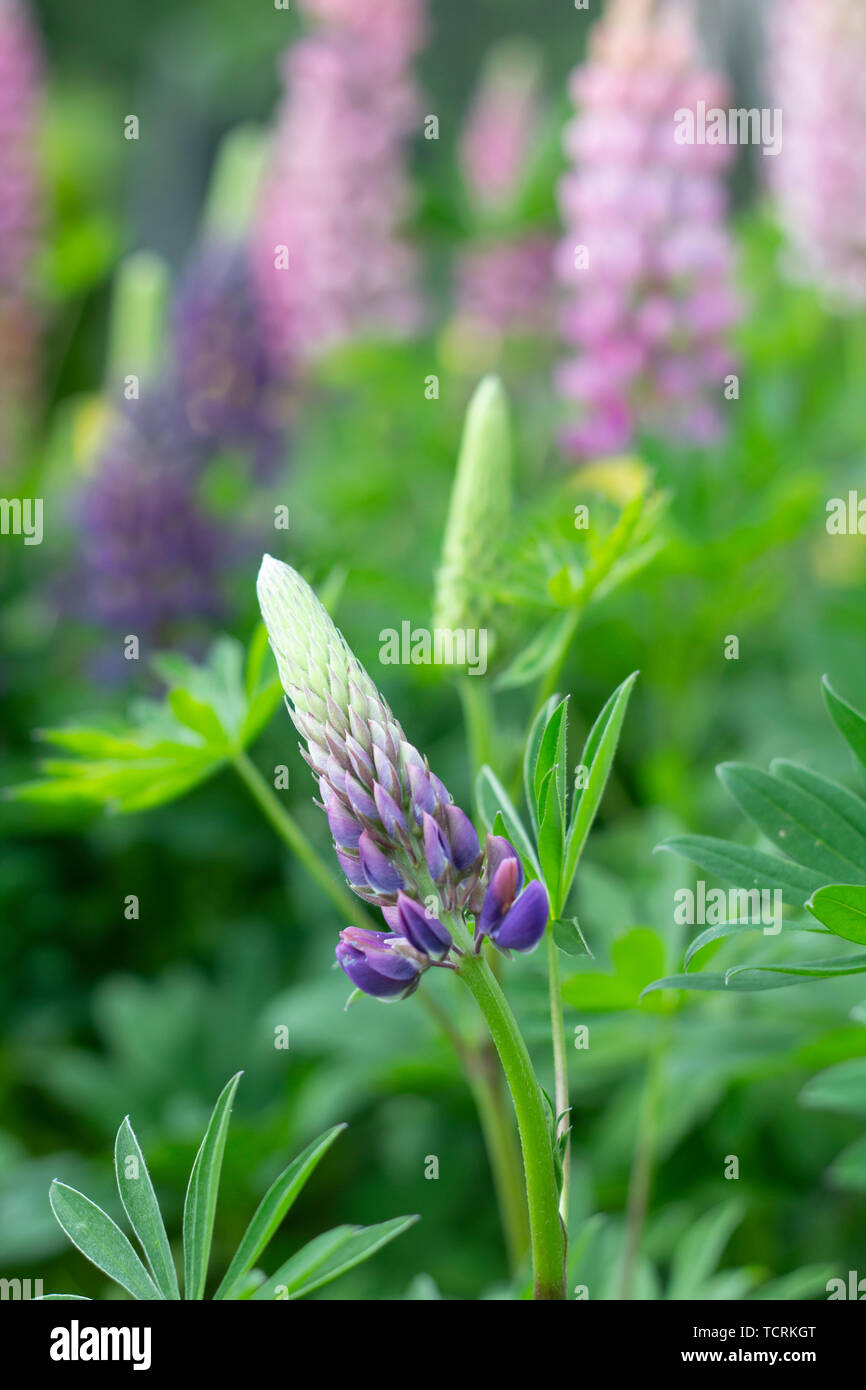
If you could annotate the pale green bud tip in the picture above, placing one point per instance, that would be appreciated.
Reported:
(480, 506)
(311, 652)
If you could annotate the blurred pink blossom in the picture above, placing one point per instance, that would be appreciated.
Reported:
(646, 260)
(335, 192)
(818, 62)
(19, 214)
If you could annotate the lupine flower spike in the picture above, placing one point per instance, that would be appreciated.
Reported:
(402, 843)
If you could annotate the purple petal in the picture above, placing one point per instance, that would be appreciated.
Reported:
(423, 798)
(380, 973)
(497, 850)
(523, 927)
(501, 892)
(462, 836)
(424, 932)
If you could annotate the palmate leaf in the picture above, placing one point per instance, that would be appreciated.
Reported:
(102, 1241)
(211, 713)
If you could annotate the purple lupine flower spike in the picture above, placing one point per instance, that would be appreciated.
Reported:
(400, 840)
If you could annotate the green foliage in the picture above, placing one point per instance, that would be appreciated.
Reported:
(820, 827)
(211, 714)
(104, 1244)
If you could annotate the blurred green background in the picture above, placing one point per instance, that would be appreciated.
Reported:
(102, 1016)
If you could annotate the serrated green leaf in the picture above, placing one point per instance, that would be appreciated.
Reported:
(329, 1255)
(272, 1210)
(201, 1195)
(597, 757)
(101, 1241)
(796, 822)
(745, 867)
(142, 1209)
(841, 907)
(491, 797)
(198, 716)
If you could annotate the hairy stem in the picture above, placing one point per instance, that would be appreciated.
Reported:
(560, 1071)
(545, 1228)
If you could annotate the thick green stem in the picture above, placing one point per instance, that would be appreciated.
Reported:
(545, 1228)
(292, 835)
(497, 1127)
(560, 1070)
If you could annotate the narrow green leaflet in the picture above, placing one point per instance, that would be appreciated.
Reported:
(330, 1255)
(201, 1196)
(552, 755)
(141, 1207)
(537, 656)
(725, 929)
(842, 909)
(491, 797)
(747, 868)
(597, 757)
(848, 720)
(779, 975)
(836, 798)
(697, 1255)
(98, 1238)
(530, 756)
(797, 823)
(273, 1208)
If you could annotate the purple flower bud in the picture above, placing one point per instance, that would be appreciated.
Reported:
(390, 814)
(351, 866)
(362, 804)
(378, 869)
(344, 828)
(371, 963)
(436, 848)
(423, 797)
(465, 848)
(497, 849)
(426, 933)
(523, 926)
